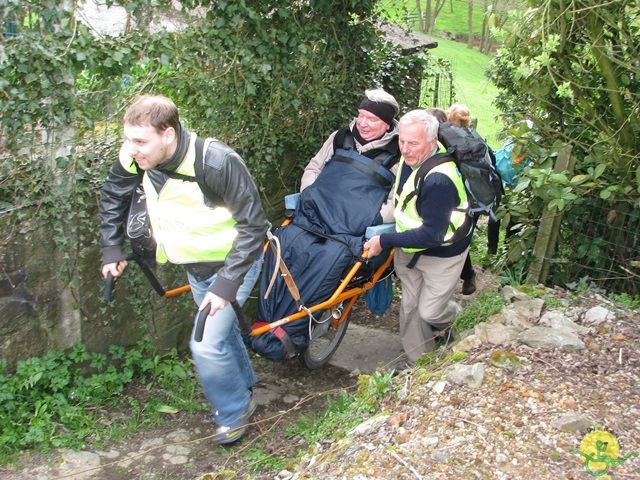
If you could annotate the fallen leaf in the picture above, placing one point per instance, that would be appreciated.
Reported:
(167, 409)
(398, 419)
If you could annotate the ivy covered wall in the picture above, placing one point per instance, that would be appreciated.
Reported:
(272, 79)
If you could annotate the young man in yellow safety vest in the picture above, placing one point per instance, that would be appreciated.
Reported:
(219, 244)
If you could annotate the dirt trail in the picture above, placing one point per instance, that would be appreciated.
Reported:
(288, 394)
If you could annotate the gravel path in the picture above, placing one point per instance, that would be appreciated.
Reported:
(525, 421)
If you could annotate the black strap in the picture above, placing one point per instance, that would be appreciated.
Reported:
(347, 142)
(426, 167)
(465, 229)
(199, 177)
(386, 158)
(384, 182)
(414, 260)
(329, 237)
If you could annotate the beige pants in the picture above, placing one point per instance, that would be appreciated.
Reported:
(427, 292)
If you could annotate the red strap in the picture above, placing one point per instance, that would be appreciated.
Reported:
(289, 348)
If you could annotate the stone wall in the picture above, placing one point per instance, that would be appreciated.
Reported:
(42, 312)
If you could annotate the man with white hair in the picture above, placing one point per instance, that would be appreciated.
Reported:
(433, 235)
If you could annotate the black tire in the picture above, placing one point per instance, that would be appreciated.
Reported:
(324, 342)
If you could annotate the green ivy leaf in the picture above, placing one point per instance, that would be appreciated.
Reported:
(31, 77)
(559, 178)
(556, 203)
(599, 170)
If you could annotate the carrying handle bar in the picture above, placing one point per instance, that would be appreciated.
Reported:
(245, 326)
(109, 283)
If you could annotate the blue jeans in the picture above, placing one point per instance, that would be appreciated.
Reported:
(221, 359)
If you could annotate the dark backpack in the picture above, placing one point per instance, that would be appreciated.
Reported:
(138, 227)
(472, 156)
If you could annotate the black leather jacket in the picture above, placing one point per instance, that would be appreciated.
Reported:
(226, 175)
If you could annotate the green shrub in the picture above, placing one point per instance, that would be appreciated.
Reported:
(59, 400)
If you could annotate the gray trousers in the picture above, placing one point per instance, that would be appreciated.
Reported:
(426, 305)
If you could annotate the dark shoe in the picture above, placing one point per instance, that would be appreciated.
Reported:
(469, 285)
(491, 250)
(251, 408)
(229, 434)
(401, 367)
(445, 337)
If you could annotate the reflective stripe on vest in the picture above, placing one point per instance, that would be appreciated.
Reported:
(185, 229)
(408, 218)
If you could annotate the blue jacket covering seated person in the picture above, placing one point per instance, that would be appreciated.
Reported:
(327, 232)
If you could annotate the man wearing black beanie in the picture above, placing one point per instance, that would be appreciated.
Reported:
(347, 187)
(374, 130)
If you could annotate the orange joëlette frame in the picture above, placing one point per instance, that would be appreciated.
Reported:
(340, 295)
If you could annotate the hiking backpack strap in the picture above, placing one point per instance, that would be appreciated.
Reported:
(426, 167)
(377, 167)
(423, 170)
(213, 197)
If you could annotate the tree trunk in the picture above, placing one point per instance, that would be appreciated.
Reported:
(435, 12)
(470, 25)
(429, 17)
(486, 26)
(422, 25)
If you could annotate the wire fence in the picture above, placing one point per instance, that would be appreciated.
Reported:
(437, 86)
(599, 244)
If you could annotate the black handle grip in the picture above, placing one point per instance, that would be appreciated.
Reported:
(245, 326)
(108, 286)
(200, 322)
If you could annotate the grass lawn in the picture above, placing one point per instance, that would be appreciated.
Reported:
(471, 87)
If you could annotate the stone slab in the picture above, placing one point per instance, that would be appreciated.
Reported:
(366, 349)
